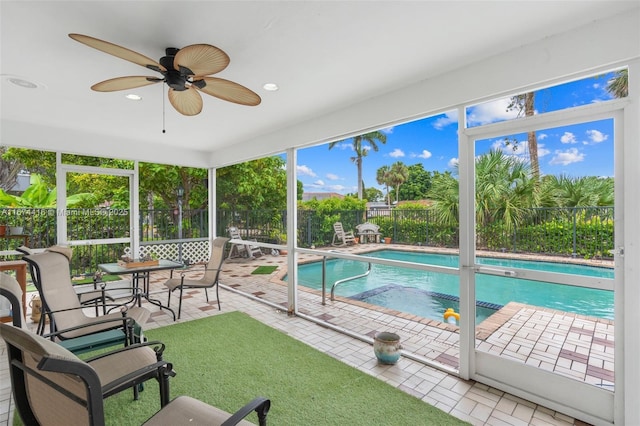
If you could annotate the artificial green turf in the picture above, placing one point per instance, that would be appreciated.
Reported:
(265, 269)
(227, 360)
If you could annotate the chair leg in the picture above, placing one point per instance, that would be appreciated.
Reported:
(180, 303)
(218, 297)
(206, 294)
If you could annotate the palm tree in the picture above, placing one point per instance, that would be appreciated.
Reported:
(361, 151)
(382, 177)
(584, 191)
(618, 86)
(524, 104)
(505, 191)
(398, 175)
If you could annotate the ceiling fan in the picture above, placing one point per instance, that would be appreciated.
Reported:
(186, 71)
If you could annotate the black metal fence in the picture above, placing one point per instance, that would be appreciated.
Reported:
(579, 232)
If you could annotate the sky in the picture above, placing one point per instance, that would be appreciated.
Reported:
(579, 150)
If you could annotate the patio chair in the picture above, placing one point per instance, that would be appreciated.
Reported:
(209, 280)
(93, 298)
(341, 237)
(66, 315)
(247, 250)
(10, 289)
(51, 386)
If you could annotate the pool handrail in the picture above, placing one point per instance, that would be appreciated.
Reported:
(333, 287)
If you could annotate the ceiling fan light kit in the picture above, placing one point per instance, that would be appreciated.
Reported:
(186, 71)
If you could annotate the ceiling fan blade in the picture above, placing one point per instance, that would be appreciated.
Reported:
(119, 51)
(228, 91)
(186, 102)
(124, 83)
(201, 59)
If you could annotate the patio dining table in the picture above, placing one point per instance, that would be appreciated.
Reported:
(141, 275)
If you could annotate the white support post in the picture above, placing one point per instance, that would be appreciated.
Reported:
(292, 236)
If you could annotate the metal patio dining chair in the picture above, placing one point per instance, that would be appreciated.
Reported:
(67, 318)
(208, 280)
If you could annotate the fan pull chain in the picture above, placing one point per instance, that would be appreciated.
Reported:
(163, 110)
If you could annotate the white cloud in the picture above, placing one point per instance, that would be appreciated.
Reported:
(387, 130)
(396, 153)
(335, 188)
(572, 155)
(331, 176)
(449, 118)
(424, 154)
(542, 136)
(596, 136)
(305, 171)
(542, 151)
(453, 163)
(344, 146)
(568, 137)
(491, 112)
(319, 182)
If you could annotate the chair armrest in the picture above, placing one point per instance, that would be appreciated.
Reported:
(158, 349)
(124, 322)
(260, 405)
(94, 296)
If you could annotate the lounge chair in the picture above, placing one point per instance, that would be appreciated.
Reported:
(51, 386)
(68, 320)
(340, 237)
(209, 280)
(246, 250)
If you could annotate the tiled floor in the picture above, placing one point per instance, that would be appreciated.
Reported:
(470, 401)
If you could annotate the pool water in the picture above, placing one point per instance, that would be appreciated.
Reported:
(494, 290)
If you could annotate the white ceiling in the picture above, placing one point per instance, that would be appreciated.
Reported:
(324, 56)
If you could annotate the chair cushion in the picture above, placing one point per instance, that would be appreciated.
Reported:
(187, 410)
(174, 283)
(139, 315)
(120, 364)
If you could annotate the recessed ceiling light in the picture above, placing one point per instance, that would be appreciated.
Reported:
(271, 87)
(133, 97)
(22, 83)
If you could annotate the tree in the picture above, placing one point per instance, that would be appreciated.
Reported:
(9, 169)
(505, 190)
(524, 104)
(361, 151)
(383, 178)
(418, 183)
(398, 175)
(253, 185)
(38, 195)
(373, 194)
(618, 86)
(584, 191)
(445, 195)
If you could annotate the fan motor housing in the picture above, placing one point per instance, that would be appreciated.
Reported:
(173, 77)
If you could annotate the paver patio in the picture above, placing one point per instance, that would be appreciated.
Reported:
(572, 345)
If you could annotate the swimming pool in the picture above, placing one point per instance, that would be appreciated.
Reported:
(494, 290)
